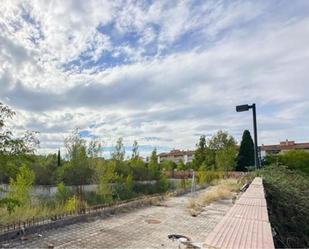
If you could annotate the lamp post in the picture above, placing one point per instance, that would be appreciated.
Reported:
(243, 108)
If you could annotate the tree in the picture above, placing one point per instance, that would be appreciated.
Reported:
(59, 159)
(135, 152)
(225, 158)
(21, 186)
(78, 171)
(200, 153)
(153, 164)
(245, 156)
(106, 176)
(14, 151)
(168, 165)
(119, 151)
(221, 140)
(181, 165)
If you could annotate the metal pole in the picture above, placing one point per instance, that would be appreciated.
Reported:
(256, 156)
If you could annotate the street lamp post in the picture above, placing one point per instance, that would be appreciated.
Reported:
(243, 108)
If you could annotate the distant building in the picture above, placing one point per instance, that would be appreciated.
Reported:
(283, 147)
(176, 155)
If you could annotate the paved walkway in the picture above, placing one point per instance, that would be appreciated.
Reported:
(142, 228)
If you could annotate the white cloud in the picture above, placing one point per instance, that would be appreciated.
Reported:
(171, 95)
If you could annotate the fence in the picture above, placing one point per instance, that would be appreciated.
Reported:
(37, 224)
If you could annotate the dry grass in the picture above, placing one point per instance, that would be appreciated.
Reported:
(27, 212)
(223, 189)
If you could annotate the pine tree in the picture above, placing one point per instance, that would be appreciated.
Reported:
(59, 159)
(245, 156)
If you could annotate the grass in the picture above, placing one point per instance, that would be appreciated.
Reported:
(28, 212)
(222, 189)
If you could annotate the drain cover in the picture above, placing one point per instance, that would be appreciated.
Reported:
(152, 221)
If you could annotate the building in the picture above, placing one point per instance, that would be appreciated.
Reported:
(283, 147)
(176, 155)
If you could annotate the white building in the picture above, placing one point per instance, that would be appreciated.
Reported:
(176, 155)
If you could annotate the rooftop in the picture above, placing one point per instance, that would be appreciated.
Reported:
(285, 145)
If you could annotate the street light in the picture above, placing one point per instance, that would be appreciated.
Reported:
(243, 108)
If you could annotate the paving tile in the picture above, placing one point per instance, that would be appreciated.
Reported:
(131, 229)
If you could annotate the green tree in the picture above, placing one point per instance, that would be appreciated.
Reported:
(154, 165)
(139, 169)
(106, 176)
(181, 165)
(221, 140)
(200, 153)
(135, 152)
(245, 156)
(14, 151)
(119, 151)
(58, 158)
(20, 187)
(168, 165)
(78, 170)
(63, 193)
(225, 158)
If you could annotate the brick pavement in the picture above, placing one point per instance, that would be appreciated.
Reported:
(143, 228)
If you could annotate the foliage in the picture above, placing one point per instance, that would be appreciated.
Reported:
(107, 175)
(139, 170)
(14, 150)
(124, 188)
(70, 204)
(119, 151)
(154, 165)
(200, 153)
(221, 140)
(296, 160)
(21, 186)
(245, 156)
(45, 168)
(78, 171)
(287, 194)
(218, 152)
(181, 165)
(168, 165)
(10, 204)
(225, 158)
(162, 184)
(201, 175)
(63, 193)
(135, 152)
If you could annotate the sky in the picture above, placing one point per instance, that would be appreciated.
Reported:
(160, 72)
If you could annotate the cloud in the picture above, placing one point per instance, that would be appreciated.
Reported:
(163, 70)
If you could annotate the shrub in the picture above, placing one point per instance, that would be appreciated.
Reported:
(20, 187)
(287, 194)
(296, 160)
(63, 193)
(70, 204)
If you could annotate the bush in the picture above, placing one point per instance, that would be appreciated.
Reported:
(63, 193)
(21, 186)
(70, 204)
(287, 194)
(296, 160)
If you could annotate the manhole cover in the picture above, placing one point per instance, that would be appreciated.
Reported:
(152, 221)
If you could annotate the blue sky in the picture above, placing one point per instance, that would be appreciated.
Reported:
(160, 72)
